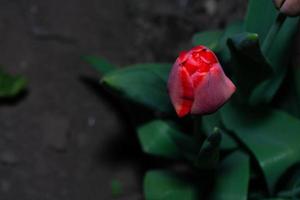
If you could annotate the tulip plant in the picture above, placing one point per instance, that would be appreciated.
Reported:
(11, 85)
(226, 115)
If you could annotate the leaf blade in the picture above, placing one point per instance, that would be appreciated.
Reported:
(164, 185)
(270, 135)
(145, 84)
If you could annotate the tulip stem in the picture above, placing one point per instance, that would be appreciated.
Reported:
(273, 31)
(197, 129)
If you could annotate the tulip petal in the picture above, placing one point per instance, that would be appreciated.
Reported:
(291, 7)
(181, 90)
(278, 3)
(212, 91)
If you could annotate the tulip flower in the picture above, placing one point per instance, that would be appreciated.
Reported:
(288, 7)
(197, 83)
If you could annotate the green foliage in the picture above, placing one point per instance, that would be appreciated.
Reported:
(279, 61)
(223, 49)
(209, 122)
(99, 64)
(10, 85)
(116, 188)
(250, 66)
(164, 185)
(209, 39)
(272, 136)
(162, 139)
(250, 126)
(260, 17)
(217, 40)
(209, 154)
(232, 178)
(144, 83)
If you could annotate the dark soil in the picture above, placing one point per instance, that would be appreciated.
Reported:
(63, 140)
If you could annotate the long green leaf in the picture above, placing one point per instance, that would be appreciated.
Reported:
(279, 59)
(209, 154)
(163, 185)
(143, 83)
(260, 16)
(100, 64)
(10, 85)
(250, 66)
(232, 178)
(272, 136)
(162, 139)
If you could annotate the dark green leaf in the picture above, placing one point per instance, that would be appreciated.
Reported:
(260, 16)
(278, 54)
(99, 64)
(144, 83)
(288, 97)
(10, 85)
(163, 185)
(155, 138)
(209, 39)
(278, 58)
(162, 139)
(272, 136)
(116, 188)
(291, 185)
(231, 30)
(232, 178)
(209, 154)
(209, 122)
(250, 66)
(266, 90)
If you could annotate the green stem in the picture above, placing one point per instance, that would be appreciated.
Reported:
(275, 28)
(197, 131)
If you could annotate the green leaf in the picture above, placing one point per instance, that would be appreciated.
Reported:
(232, 178)
(260, 16)
(162, 139)
(230, 31)
(209, 39)
(163, 185)
(279, 61)
(10, 85)
(265, 12)
(209, 154)
(291, 187)
(277, 54)
(143, 83)
(250, 66)
(272, 136)
(266, 90)
(116, 188)
(100, 64)
(288, 97)
(209, 122)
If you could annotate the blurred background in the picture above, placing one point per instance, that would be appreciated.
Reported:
(63, 139)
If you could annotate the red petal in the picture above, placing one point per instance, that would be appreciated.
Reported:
(181, 90)
(212, 91)
(198, 48)
(197, 78)
(182, 56)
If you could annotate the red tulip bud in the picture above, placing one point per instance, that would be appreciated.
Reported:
(288, 7)
(197, 83)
